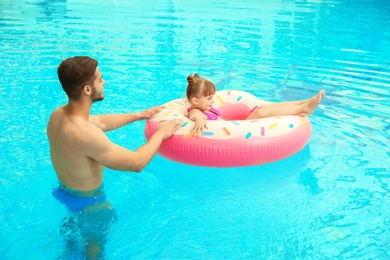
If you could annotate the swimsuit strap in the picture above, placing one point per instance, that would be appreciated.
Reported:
(215, 111)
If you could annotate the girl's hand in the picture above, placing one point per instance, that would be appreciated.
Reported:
(199, 127)
(200, 122)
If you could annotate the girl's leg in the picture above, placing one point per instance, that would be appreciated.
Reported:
(288, 108)
(278, 105)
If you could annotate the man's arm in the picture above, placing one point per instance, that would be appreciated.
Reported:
(116, 157)
(110, 122)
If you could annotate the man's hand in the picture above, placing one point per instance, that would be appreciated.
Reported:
(167, 129)
(150, 112)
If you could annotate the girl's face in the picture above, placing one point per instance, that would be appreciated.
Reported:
(203, 103)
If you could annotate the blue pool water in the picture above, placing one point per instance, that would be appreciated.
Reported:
(329, 201)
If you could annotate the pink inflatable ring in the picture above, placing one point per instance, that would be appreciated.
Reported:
(233, 141)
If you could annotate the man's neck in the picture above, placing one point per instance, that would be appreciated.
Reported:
(79, 108)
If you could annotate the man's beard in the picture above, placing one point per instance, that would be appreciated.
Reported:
(95, 96)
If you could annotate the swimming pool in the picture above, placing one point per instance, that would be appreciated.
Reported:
(329, 201)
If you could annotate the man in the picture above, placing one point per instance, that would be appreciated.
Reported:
(79, 148)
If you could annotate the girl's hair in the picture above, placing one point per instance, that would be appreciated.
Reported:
(198, 87)
(74, 73)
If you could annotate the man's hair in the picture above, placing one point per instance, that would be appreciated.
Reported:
(76, 72)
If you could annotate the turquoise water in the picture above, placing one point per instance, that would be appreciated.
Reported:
(329, 201)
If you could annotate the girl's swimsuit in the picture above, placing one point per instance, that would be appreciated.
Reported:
(213, 114)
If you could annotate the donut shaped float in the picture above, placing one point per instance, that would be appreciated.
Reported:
(234, 141)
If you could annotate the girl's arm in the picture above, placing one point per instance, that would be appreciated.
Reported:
(200, 121)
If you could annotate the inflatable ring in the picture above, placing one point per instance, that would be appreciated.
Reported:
(233, 141)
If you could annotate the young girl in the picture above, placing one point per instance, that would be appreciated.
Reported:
(200, 94)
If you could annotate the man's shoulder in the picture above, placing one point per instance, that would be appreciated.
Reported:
(54, 121)
(58, 112)
(87, 138)
(80, 135)
(88, 131)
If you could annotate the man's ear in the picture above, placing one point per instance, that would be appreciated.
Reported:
(87, 90)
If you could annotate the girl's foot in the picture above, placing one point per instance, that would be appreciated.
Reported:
(314, 101)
